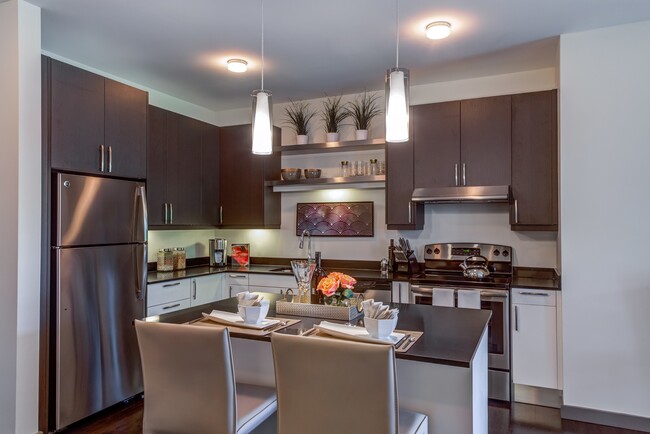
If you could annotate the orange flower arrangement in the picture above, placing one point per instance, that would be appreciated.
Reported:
(337, 287)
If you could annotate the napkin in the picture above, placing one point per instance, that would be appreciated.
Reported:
(249, 299)
(378, 310)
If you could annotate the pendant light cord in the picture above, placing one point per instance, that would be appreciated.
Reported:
(397, 30)
(262, 1)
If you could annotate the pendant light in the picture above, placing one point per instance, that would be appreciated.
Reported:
(262, 112)
(397, 96)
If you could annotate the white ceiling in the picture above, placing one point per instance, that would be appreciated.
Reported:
(312, 47)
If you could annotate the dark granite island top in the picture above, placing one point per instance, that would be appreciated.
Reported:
(451, 336)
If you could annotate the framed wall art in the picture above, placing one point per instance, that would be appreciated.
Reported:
(336, 219)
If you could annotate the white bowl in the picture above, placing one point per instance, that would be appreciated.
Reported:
(254, 314)
(380, 328)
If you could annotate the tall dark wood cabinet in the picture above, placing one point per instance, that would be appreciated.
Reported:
(534, 161)
(183, 170)
(246, 200)
(401, 212)
(485, 141)
(98, 125)
(436, 144)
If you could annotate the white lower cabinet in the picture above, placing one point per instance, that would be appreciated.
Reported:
(206, 289)
(165, 297)
(271, 283)
(236, 283)
(534, 338)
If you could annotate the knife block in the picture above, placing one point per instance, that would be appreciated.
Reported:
(406, 263)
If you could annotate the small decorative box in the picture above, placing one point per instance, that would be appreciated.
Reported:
(343, 313)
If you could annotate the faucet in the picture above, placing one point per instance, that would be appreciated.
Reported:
(302, 244)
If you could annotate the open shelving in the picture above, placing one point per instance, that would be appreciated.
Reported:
(307, 184)
(319, 148)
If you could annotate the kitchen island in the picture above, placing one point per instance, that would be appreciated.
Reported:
(443, 375)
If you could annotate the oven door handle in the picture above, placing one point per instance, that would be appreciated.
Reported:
(486, 293)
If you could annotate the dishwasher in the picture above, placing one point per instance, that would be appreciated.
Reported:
(379, 290)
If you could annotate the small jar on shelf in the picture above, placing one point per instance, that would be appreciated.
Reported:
(345, 168)
(373, 166)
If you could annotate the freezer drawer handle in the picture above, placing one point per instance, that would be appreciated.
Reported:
(171, 306)
(171, 284)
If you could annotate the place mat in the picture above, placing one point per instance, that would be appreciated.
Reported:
(247, 331)
(234, 319)
(399, 347)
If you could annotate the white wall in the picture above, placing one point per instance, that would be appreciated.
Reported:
(20, 193)
(605, 150)
(444, 223)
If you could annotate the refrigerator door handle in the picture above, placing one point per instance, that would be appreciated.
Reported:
(142, 212)
(141, 272)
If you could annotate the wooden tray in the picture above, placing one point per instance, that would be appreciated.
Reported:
(248, 331)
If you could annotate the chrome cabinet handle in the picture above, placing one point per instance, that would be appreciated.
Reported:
(464, 174)
(165, 217)
(220, 214)
(236, 275)
(171, 284)
(456, 174)
(171, 213)
(516, 212)
(171, 306)
(110, 158)
(194, 290)
(410, 211)
(539, 294)
(101, 158)
(516, 318)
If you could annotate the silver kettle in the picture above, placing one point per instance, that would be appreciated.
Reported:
(475, 270)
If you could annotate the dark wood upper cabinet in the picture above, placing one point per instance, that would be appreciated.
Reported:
(246, 201)
(183, 169)
(125, 120)
(436, 144)
(98, 125)
(485, 141)
(401, 212)
(534, 161)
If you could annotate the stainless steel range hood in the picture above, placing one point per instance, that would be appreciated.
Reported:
(473, 194)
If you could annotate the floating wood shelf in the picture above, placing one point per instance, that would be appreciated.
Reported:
(373, 181)
(319, 148)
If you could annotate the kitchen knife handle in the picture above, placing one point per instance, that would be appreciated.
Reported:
(516, 318)
(110, 158)
(516, 212)
(101, 158)
(456, 174)
(464, 174)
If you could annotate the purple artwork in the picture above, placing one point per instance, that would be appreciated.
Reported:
(336, 219)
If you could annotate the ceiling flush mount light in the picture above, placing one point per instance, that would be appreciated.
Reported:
(397, 97)
(262, 110)
(237, 65)
(438, 30)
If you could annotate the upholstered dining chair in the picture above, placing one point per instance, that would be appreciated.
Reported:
(189, 383)
(328, 386)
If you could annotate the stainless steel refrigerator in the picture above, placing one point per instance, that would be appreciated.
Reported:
(100, 257)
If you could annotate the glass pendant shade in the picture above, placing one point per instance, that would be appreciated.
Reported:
(262, 123)
(397, 105)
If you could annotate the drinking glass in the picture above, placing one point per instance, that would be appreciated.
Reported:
(302, 271)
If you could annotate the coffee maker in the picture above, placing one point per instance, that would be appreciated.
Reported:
(218, 252)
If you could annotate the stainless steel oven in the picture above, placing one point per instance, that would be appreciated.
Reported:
(442, 271)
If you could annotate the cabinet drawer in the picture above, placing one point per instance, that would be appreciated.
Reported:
(271, 289)
(237, 278)
(272, 280)
(168, 307)
(538, 297)
(166, 292)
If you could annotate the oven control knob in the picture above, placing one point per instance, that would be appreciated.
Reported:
(429, 251)
(436, 251)
(496, 253)
(506, 254)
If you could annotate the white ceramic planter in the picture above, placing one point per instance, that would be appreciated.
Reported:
(332, 137)
(361, 134)
(302, 139)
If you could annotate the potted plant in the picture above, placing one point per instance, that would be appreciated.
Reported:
(362, 110)
(333, 114)
(298, 117)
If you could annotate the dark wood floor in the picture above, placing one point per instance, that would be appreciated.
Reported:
(503, 419)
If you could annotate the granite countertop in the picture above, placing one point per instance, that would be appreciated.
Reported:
(536, 278)
(282, 270)
(451, 336)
